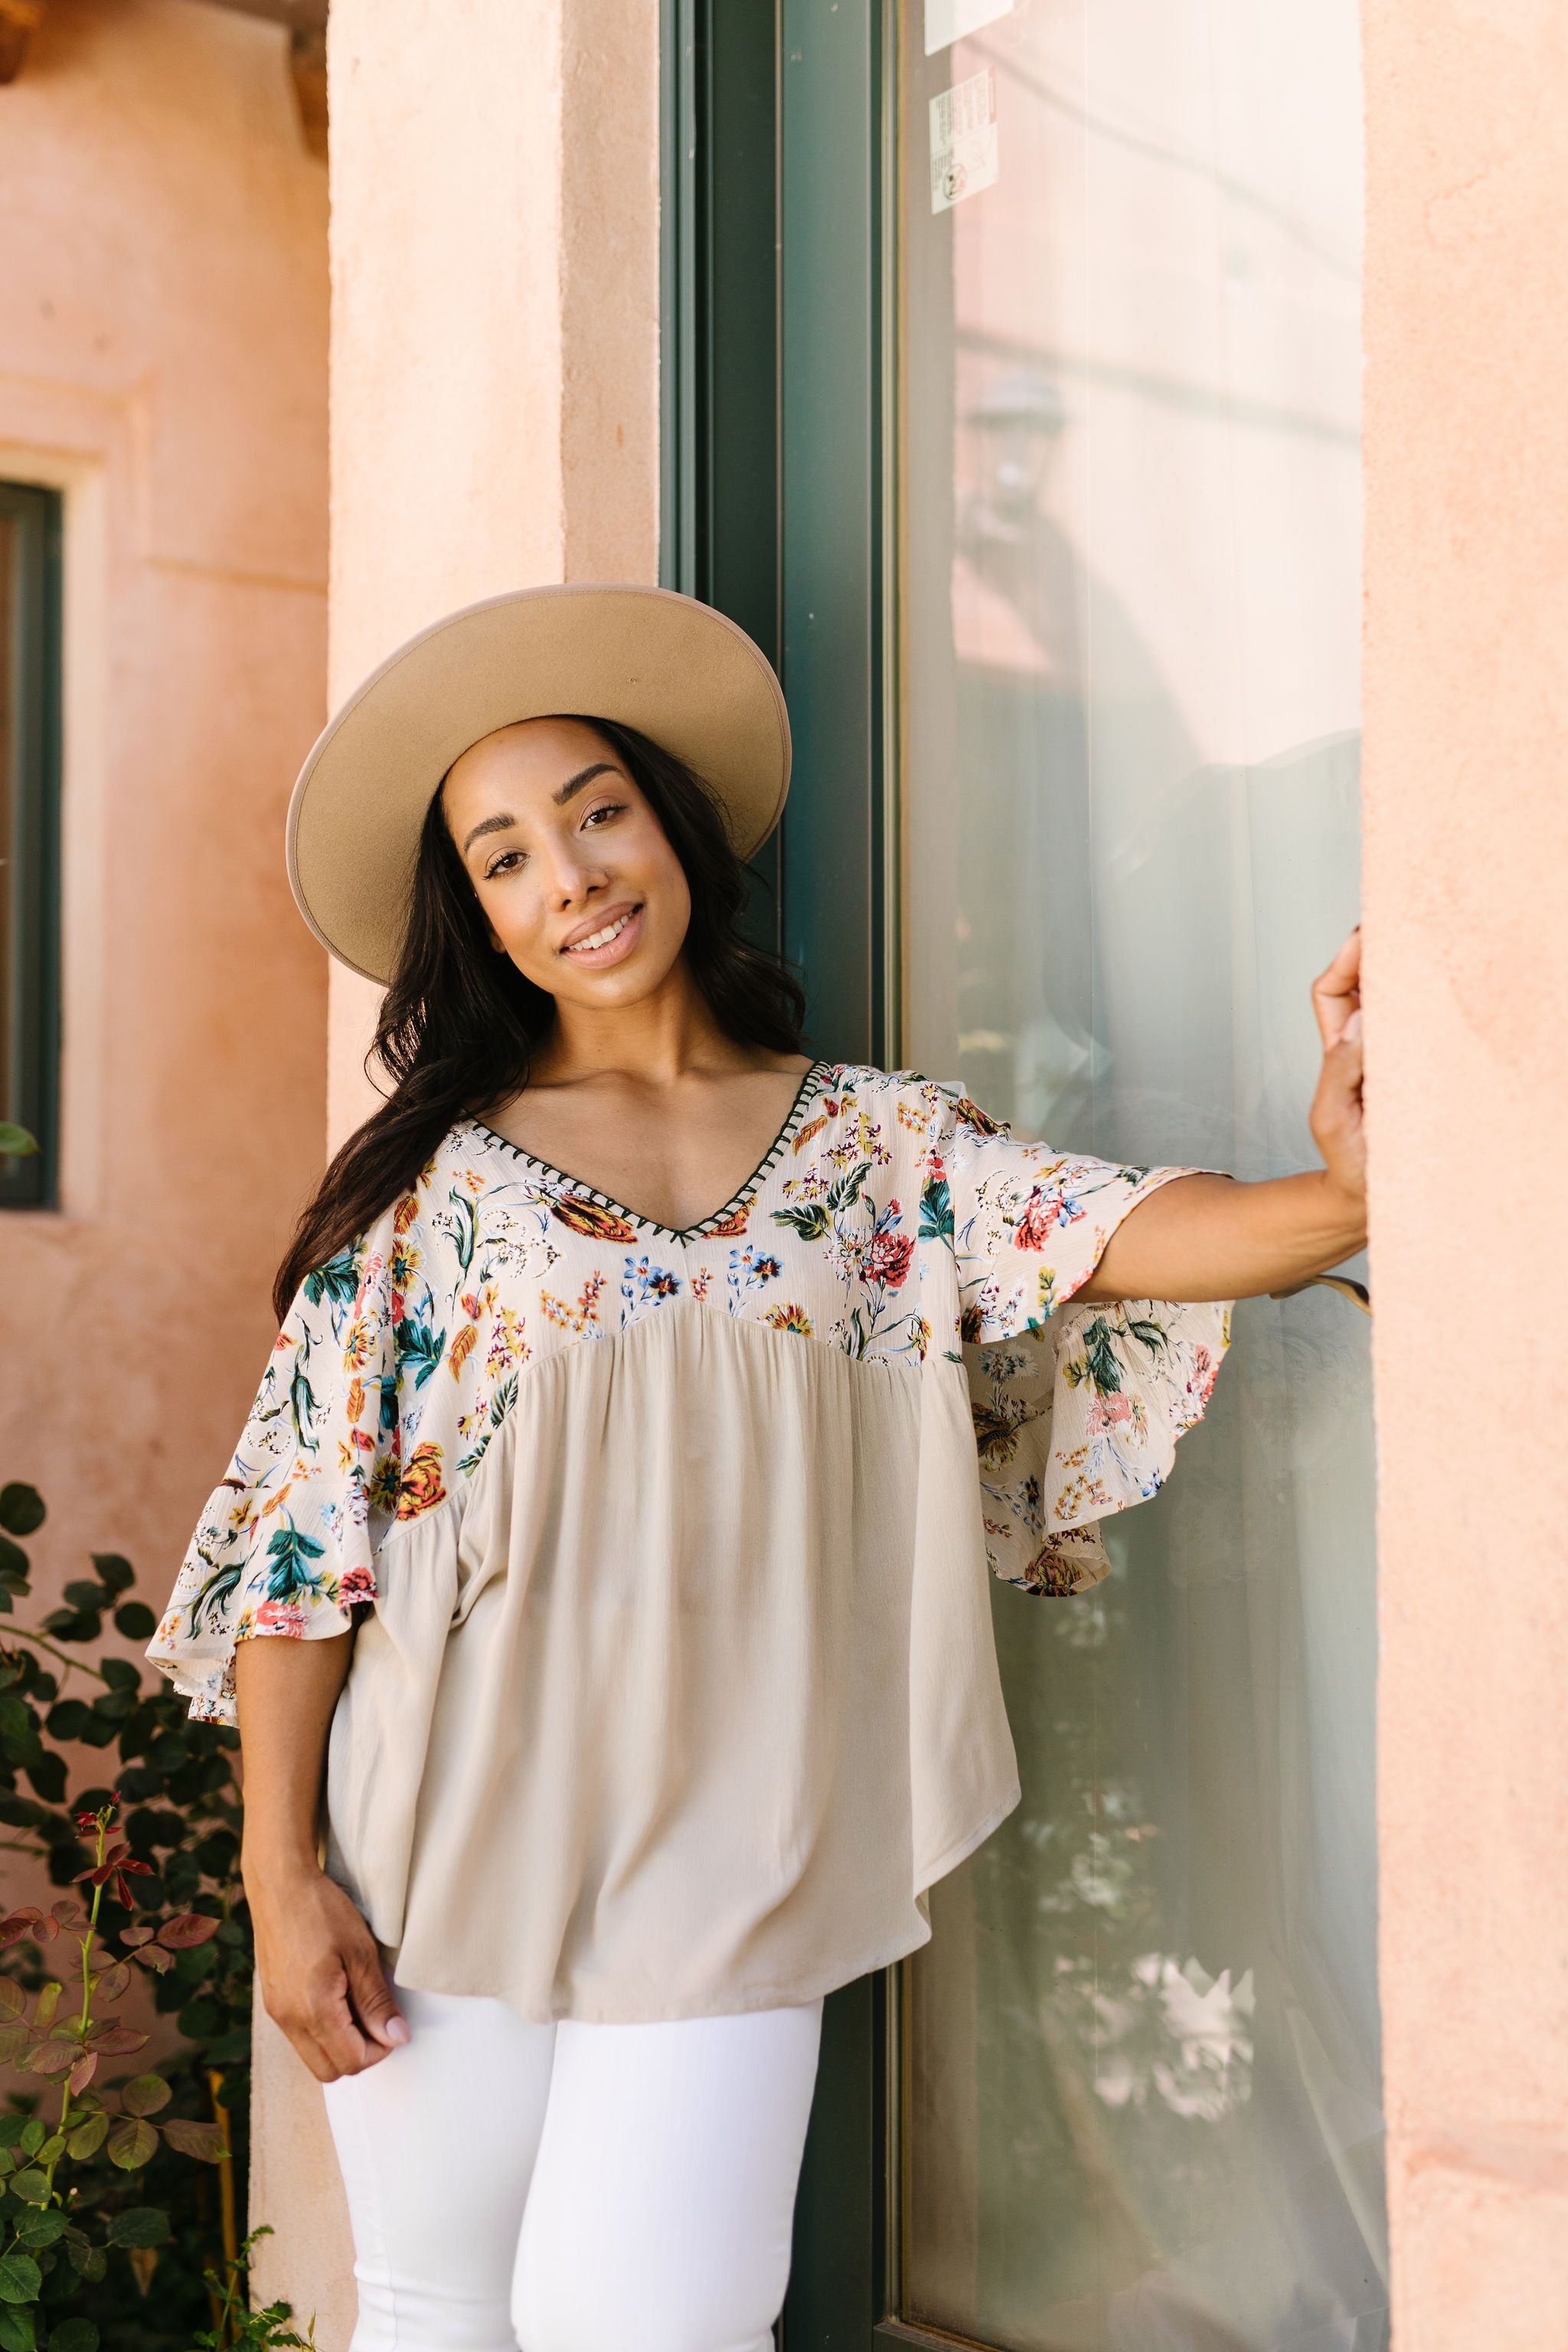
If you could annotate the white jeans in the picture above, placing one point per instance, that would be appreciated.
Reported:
(574, 2187)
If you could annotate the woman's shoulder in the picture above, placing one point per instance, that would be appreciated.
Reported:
(940, 1106)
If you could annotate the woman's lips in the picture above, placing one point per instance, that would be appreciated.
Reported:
(625, 929)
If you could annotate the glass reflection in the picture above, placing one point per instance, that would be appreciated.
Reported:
(1142, 2064)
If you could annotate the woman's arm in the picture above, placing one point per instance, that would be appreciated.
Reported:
(321, 1978)
(1206, 1237)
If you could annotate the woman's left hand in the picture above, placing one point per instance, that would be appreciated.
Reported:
(1206, 1237)
(1336, 1113)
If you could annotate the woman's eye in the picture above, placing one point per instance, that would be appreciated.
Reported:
(504, 863)
(606, 808)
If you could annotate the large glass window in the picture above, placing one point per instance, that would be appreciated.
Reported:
(29, 772)
(1141, 2107)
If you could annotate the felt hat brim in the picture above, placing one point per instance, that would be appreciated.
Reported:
(680, 672)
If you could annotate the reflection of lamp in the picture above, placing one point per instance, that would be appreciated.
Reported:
(1015, 420)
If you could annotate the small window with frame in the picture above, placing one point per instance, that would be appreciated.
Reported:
(29, 840)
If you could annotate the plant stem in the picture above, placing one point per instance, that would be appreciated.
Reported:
(84, 1945)
(71, 1665)
(225, 2170)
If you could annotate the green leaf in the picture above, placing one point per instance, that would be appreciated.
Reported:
(121, 1673)
(145, 2095)
(14, 1564)
(31, 2185)
(21, 1509)
(41, 2229)
(31, 2136)
(13, 2039)
(10, 2130)
(88, 2137)
(132, 2144)
(17, 2331)
(114, 1571)
(20, 2279)
(135, 1621)
(16, 1722)
(204, 2141)
(143, 2225)
(74, 2335)
(43, 2013)
(90, 2261)
(16, 1143)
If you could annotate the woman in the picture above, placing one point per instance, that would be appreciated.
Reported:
(648, 1403)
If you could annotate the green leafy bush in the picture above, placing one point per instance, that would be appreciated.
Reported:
(110, 2234)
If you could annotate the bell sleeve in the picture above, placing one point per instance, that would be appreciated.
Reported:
(286, 1544)
(1076, 1408)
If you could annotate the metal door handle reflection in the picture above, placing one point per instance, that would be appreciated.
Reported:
(1356, 1292)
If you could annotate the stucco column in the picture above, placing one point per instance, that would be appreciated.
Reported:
(1467, 903)
(494, 176)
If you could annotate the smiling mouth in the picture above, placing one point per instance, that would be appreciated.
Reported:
(605, 937)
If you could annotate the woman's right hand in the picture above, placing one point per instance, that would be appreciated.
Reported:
(321, 1978)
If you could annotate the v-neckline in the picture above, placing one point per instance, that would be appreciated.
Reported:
(811, 1085)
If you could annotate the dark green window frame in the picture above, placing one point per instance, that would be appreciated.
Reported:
(29, 876)
(777, 442)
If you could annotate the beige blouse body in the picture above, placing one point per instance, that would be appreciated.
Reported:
(674, 1686)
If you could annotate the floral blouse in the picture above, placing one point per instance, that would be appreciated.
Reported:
(674, 1685)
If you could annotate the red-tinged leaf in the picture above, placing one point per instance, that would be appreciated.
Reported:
(186, 1929)
(13, 2039)
(29, 1913)
(12, 1932)
(83, 2072)
(203, 2140)
(141, 1934)
(115, 2040)
(112, 1982)
(95, 1874)
(53, 2058)
(12, 1999)
(131, 2143)
(44, 2008)
(152, 1956)
(115, 1852)
(145, 2095)
(139, 1869)
(44, 1931)
(67, 1916)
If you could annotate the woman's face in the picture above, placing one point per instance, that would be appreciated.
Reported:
(573, 873)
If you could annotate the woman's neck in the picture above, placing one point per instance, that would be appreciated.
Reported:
(663, 1037)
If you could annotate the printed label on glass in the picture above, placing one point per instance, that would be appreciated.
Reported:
(963, 152)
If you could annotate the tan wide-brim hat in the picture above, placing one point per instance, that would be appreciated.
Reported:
(678, 671)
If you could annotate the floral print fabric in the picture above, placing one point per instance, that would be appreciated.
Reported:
(892, 1222)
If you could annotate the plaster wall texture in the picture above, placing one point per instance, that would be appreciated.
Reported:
(1466, 909)
(163, 361)
(494, 426)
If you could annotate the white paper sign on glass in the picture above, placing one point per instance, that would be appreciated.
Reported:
(949, 20)
(963, 150)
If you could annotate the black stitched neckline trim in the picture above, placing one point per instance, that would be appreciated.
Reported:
(812, 1084)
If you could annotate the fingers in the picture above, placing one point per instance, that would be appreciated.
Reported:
(320, 2021)
(1336, 993)
(371, 1995)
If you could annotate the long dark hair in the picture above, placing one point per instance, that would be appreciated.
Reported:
(459, 1025)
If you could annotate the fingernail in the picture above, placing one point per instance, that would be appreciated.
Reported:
(1352, 1029)
(397, 2029)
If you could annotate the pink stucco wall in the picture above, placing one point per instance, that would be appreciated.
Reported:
(1467, 907)
(495, 424)
(163, 359)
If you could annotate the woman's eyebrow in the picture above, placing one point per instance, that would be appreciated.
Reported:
(563, 793)
(490, 824)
